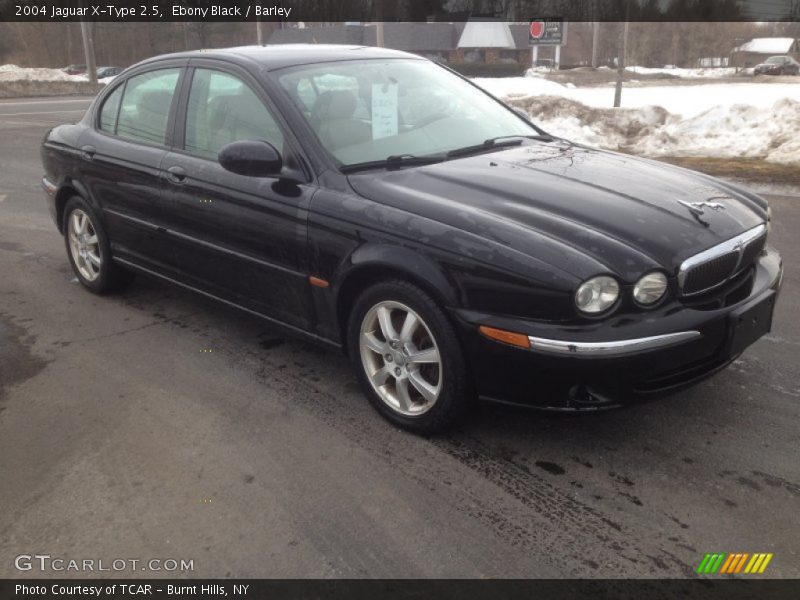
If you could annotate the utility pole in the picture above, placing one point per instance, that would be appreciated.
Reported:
(595, 42)
(88, 50)
(259, 32)
(621, 63)
(379, 23)
(379, 34)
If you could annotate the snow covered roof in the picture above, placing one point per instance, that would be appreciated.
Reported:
(774, 45)
(486, 34)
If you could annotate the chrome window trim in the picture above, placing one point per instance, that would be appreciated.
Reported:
(610, 348)
(735, 244)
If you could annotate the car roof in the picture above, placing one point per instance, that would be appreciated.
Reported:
(279, 56)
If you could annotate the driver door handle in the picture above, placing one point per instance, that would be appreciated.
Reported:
(176, 175)
(88, 152)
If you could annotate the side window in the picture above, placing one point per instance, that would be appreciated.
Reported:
(223, 109)
(108, 114)
(306, 93)
(144, 112)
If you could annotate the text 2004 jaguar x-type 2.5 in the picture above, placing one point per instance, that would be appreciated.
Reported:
(377, 202)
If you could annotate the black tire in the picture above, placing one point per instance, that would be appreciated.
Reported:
(455, 393)
(110, 276)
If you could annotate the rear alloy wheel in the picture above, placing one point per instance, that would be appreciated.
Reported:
(407, 357)
(84, 245)
(89, 250)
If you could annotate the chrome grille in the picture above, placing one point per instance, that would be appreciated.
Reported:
(710, 273)
(713, 267)
(752, 250)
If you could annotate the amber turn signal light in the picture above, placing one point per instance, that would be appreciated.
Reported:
(317, 282)
(519, 340)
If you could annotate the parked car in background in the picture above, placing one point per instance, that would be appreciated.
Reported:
(375, 201)
(75, 69)
(103, 72)
(778, 65)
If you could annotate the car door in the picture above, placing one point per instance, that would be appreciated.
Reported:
(241, 238)
(121, 156)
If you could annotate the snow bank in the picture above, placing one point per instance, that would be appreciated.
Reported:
(723, 131)
(757, 120)
(731, 131)
(685, 100)
(15, 73)
(686, 73)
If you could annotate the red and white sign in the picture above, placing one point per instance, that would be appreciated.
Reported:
(547, 32)
(537, 29)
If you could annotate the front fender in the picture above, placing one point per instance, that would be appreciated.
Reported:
(401, 260)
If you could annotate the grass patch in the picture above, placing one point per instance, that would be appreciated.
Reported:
(749, 169)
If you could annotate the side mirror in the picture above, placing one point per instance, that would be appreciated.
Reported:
(251, 158)
(521, 113)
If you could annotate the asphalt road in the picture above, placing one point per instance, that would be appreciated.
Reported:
(158, 424)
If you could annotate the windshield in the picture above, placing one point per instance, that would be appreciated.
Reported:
(775, 60)
(370, 110)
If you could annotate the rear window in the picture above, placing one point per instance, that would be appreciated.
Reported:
(144, 111)
(108, 114)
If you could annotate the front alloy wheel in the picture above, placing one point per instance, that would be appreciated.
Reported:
(401, 358)
(408, 357)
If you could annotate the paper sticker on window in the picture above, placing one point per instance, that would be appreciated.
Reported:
(384, 110)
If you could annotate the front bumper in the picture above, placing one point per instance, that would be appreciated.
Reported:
(614, 361)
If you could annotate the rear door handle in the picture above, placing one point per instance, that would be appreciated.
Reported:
(176, 175)
(88, 152)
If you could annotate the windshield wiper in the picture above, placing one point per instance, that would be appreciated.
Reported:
(412, 160)
(395, 160)
(501, 141)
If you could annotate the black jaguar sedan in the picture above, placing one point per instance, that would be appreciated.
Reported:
(778, 65)
(377, 202)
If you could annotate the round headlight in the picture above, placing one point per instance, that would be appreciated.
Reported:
(597, 294)
(650, 288)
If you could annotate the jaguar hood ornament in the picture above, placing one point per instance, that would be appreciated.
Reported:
(696, 208)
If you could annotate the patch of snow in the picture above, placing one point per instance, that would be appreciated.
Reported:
(537, 72)
(731, 131)
(684, 100)
(685, 73)
(15, 73)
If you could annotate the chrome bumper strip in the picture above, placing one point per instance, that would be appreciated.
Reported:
(49, 187)
(613, 348)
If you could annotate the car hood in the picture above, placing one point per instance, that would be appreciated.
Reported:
(563, 203)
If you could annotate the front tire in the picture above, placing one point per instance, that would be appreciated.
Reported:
(89, 251)
(407, 357)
